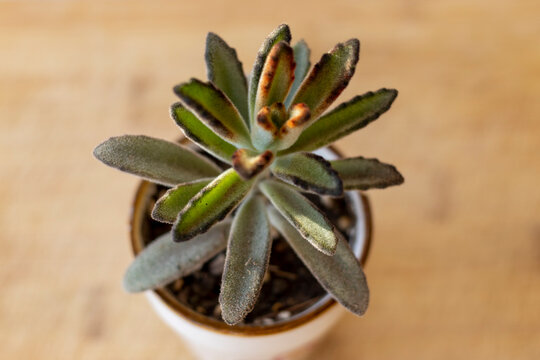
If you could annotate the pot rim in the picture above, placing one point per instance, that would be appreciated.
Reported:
(136, 217)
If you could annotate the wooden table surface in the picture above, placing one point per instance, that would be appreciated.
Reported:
(455, 267)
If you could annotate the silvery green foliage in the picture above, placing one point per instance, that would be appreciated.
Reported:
(265, 129)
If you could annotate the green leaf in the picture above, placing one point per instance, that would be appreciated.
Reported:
(164, 260)
(341, 275)
(248, 163)
(277, 76)
(309, 172)
(301, 58)
(343, 120)
(248, 252)
(200, 134)
(211, 205)
(361, 174)
(153, 159)
(174, 200)
(294, 126)
(267, 124)
(281, 33)
(329, 77)
(302, 214)
(226, 72)
(215, 110)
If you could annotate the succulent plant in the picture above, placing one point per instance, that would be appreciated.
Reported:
(264, 127)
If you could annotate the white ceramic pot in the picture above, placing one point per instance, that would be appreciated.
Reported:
(290, 339)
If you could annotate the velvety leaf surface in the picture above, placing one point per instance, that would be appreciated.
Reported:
(211, 205)
(341, 275)
(248, 163)
(281, 33)
(225, 71)
(174, 200)
(267, 125)
(309, 172)
(215, 110)
(248, 252)
(329, 77)
(343, 120)
(277, 76)
(299, 120)
(301, 58)
(164, 260)
(154, 159)
(302, 214)
(264, 130)
(200, 134)
(361, 174)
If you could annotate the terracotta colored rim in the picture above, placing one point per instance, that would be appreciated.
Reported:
(138, 211)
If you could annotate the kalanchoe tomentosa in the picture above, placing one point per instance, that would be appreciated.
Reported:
(265, 128)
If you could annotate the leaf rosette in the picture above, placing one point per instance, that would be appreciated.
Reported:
(265, 128)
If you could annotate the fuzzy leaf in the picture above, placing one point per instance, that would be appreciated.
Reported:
(263, 131)
(164, 260)
(225, 71)
(154, 159)
(277, 76)
(341, 275)
(267, 124)
(281, 33)
(302, 214)
(361, 174)
(309, 172)
(293, 127)
(174, 200)
(248, 163)
(248, 252)
(343, 120)
(200, 134)
(301, 58)
(329, 77)
(215, 110)
(211, 205)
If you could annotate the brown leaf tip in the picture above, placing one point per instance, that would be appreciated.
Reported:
(248, 167)
(300, 114)
(264, 119)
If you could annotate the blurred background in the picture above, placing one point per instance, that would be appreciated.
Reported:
(455, 265)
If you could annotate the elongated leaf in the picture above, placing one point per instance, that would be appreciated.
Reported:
(248, 252)
(215, 110)
(329, 77)
(157, 160)
(277, 76)
(169, 205)
(211, 205)
(248, 163)
(361, 174)
(302, 214)
(343, 120)
(164, 260)
(309, 172)
(301, 58)
(200, 134)
(341, 275)
(264, 131)
(281, 33)
(226, 72)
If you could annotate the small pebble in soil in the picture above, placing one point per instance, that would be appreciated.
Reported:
(283, 315)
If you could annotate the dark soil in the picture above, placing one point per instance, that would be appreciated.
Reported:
(288, 288)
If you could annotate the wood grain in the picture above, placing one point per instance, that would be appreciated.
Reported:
(455, 268)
